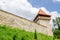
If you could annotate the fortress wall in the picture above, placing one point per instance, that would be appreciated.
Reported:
(24, 24)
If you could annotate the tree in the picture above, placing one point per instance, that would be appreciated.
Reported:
(35, 35)
(57, 33)
(14, 37)
(57, 22)
(57, 30)
(22, 38)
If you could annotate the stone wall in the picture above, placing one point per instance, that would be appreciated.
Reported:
(19, 22)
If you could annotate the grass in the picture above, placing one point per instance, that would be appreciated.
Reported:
(8, 33)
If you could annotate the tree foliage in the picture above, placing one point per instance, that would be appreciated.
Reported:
(57, 22)
(57, 33)
(57, 30)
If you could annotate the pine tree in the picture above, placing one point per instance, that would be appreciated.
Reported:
(35, 35)
(14, 37)
(22, 38)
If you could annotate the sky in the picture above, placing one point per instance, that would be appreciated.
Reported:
(19, 7)
(29, 8)
(50, 5)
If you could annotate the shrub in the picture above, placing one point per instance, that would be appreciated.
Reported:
(57, 33)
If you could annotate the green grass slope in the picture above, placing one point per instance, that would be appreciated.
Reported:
(8, 33)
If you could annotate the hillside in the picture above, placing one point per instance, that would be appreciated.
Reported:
(9, 33)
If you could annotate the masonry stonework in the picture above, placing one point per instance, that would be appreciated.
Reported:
(24, 24)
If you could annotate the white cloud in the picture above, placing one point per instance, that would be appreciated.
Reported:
(54, 14)
(19, 7)
(56, 0)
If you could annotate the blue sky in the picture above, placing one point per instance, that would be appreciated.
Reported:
(50, 5)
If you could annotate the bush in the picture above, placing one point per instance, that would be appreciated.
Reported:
(57, 33)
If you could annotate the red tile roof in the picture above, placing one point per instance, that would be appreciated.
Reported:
(41, 12)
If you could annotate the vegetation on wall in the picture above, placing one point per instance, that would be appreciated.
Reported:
(9, 33)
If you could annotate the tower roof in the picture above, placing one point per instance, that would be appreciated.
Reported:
(41, 12)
